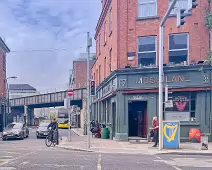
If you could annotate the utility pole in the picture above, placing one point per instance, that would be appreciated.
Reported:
(180, 22)
(161, 73)
(89, 44)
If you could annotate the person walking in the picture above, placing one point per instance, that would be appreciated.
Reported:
(155, 125)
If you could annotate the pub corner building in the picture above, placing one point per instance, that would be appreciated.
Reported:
(128, 100)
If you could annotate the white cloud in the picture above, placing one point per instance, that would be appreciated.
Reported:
(45, 24)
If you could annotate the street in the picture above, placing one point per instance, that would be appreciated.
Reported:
(32, 154)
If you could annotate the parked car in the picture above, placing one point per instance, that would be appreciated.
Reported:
(15, 131)
(42, 130)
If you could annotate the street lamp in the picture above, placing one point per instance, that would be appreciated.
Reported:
(8, 98)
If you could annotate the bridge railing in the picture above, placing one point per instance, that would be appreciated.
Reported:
(56, 97)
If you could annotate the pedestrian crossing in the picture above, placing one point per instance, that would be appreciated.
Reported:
(4, 160)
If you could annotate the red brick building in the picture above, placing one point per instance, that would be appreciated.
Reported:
(3, 50)
(80, 71)
(127, 34)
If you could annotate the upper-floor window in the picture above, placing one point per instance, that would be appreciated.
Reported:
(105, 32)
(147, 8)
(181, 4)
(4, 62)
(105, 67)
(147, 50)
(178, 48)
(110, 21)
(99, 43)
(99, 74)
(110, 57)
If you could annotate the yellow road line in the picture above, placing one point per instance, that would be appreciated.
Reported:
(3, 163)
(12, 152)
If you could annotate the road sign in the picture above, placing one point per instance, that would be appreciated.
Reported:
(70, 93)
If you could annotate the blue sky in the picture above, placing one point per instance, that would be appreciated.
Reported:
(28, 26)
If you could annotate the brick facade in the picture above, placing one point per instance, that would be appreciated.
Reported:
(3, 50)
(80, 73)
(127, 27)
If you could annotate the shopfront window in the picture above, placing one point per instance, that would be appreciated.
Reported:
(184, 107)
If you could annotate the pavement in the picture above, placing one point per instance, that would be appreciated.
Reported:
(111, 146)
(32, 154)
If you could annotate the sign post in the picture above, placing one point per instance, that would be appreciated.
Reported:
(67, 104)
(171, 134)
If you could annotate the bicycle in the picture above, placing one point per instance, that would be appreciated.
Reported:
(51, 138)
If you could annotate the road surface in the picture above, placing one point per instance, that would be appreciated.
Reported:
(32, 154)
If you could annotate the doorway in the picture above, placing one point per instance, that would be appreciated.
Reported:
(137, 119)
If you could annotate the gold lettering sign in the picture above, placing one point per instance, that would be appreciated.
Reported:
(154, 80)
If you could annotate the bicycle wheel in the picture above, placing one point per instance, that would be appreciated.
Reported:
(48, 141)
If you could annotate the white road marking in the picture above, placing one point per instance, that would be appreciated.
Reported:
(166, 162)
(7, 168)
(158, 157)
(99, 166)
(24, 163)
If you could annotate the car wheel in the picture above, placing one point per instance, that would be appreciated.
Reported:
(4, 139)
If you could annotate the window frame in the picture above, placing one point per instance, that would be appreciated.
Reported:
(188, 38)
(111, 21)
(105, 67)
(148, 2)
(105, 32)
(100, 44)
(110, 56)
(4, 62)
(156, 47)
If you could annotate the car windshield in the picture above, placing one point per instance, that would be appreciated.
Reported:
(14, 126)
(43, 124)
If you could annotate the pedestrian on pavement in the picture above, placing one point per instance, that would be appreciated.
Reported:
(155, 125)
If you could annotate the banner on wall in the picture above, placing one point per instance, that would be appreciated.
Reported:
(171, 134)
(180, 104)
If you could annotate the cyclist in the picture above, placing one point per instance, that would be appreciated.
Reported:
(54, 127)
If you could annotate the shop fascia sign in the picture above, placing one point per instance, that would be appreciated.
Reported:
(168, 79)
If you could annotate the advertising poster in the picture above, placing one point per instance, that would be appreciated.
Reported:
(171, 134)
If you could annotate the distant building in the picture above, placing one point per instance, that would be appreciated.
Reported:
(21, 90)
(78, 77)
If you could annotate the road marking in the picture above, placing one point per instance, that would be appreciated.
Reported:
(24, 163)
(3, 163)
(166, 162)
(7, 168)
(158, 157)
(99, 166)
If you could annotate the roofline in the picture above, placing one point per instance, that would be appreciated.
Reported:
(4, 45)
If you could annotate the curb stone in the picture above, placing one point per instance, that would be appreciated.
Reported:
(75, 149)
(185, 153)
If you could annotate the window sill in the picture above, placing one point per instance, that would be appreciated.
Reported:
(147, 18)
(189, 123)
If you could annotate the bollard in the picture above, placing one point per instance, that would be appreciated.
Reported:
(204, 142)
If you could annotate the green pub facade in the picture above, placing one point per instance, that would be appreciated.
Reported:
(128, 100)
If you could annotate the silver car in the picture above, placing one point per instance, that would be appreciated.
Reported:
(42, 130)
(15, 131)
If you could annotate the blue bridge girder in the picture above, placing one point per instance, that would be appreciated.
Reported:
(47, 100)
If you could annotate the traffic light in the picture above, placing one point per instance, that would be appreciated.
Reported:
(93, 87)
(192, 4)
(181, 17)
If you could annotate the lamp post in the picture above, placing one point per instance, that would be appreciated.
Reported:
(8, 99)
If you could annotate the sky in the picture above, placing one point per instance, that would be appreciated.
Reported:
(44, 37)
